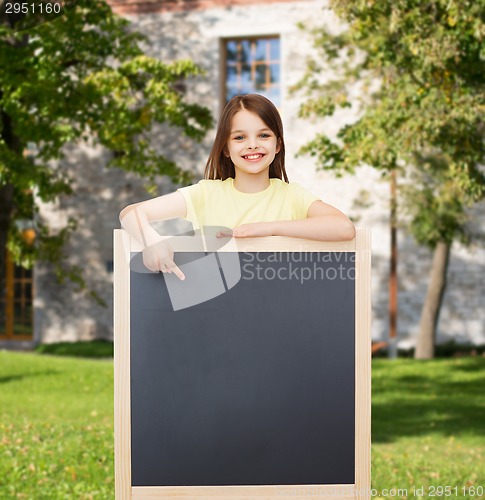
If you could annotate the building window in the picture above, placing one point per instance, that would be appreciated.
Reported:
(16, 303)
(252, 65)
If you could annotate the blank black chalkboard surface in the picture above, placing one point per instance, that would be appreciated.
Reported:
(249, 379)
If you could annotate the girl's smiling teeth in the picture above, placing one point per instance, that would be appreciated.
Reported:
(256, 156)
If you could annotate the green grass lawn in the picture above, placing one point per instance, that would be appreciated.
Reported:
(56, 427)
(428, 426)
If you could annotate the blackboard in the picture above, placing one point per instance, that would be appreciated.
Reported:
(254, 387)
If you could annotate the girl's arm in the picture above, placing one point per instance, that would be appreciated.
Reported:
(135, 219)
(323, 223)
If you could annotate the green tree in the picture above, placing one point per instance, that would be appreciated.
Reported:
(423, 119)
(82, 75)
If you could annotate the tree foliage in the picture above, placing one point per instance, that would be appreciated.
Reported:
(425, 116)
(81, 76)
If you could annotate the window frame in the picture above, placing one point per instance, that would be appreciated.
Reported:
(223, 41)
(16, 276)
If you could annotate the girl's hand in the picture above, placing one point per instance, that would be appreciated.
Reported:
(251, 230)
(159, 257)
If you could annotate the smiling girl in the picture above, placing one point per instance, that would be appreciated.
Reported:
(245, 188)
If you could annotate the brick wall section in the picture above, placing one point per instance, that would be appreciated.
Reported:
(62, 314)
(154, 6)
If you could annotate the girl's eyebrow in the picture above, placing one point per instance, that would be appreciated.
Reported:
(260, 130)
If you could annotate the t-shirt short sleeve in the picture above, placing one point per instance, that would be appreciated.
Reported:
(194, 200)
(301, 200)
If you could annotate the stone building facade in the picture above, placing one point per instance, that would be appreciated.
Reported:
(201, 30)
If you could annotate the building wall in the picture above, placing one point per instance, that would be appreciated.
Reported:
(62, 314)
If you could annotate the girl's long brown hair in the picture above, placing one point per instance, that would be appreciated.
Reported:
(219, 166)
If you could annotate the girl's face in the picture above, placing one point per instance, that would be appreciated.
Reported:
(252, 145)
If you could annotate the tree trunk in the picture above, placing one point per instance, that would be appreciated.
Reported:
(431, 309)
(7, 193)
(392, 351)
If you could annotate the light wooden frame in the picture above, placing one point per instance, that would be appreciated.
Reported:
(361, 245)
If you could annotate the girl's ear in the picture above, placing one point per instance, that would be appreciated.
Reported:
(278, 145)
(225, 152)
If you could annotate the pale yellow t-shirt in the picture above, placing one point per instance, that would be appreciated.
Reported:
(219, 203)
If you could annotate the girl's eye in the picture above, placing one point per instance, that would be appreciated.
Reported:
(240, 137)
